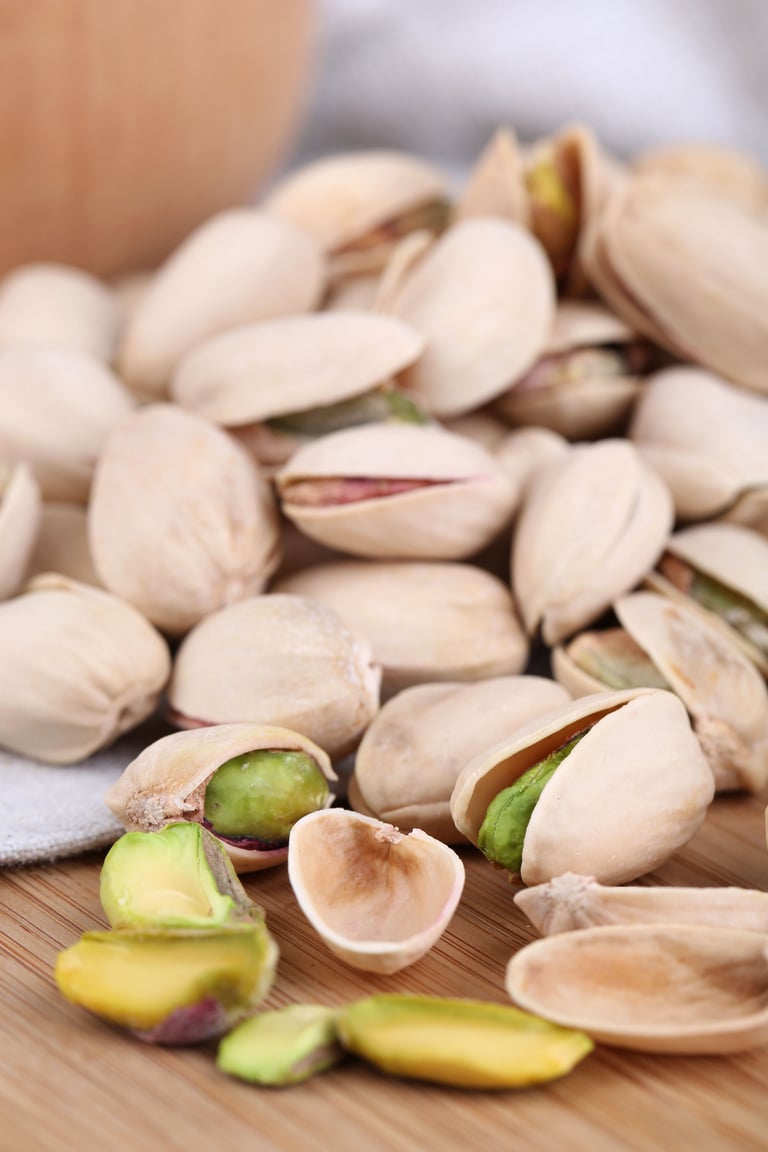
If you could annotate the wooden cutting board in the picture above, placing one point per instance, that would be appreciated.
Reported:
(67, 1081)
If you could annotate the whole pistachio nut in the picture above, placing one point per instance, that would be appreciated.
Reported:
(279, 660)
(19, 524)
(57, 410)
(62, 544)
(613, 783)
(247, 783)
(424, 622)
(180, 522)
(397, 491)
(238, 267)
(78, 668)
(285, 1046)
(55, 306)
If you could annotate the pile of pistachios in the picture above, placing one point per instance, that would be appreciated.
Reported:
(318, 486)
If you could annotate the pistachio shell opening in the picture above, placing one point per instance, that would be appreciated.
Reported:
(285, 1046)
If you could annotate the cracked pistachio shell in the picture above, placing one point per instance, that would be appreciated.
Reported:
(238, 267)
(723, 692)
(292, 364)
(484, 298)
(78, 668)
(632, 791)
(19, 524)
(688, 267)
(652, 987)
(181, 522)
(593, 523)
(57, 410)
(496, 184)
(378, 899)
(425, 622)
(62, 544)
(342, 198)
(462, 500)
(726, 170)
(166, 782)
(59, 307)
(440, 727)
(708, 441)
(571, 902)
(278, 660)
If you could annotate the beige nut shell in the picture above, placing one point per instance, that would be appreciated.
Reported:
(56, 306)
(20, 511)
(62, 544)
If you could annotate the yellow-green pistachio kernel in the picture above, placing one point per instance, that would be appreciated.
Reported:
(285, 1046)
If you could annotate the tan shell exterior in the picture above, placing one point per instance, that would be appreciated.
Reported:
(78, 668)
(571, 902)
(181, 523)
(62, 544)
(278, 660)
(582, 409)
(632, 791)
(55, 306)
(484, 298)
(585, 324)
(377, 898)
(440, 727)
(238, 267)
(524, 450)
(593, 523)
(655, 988)
(403, 258)
(425, 622)
(726, 170)
(166, 782)
(19, 525)
(496, 184)
(57, 409)
(353, 294)
(292, 364)
(443, 521)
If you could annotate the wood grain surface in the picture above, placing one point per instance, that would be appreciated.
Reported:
(68, 1081)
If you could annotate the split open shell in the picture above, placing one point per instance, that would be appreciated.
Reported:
(19, 524)
(655, 988)
(379, 899)
(55, 306)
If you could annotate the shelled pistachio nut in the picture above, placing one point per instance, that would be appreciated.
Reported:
(20, 512)
(238, 267)
(55, 306)
(424, 622)
(377, 898)
(496, 184)
(592, 524)
(285, 1046)
(397, 491)
(62, 544)
(78, 668)
(279, 660)
(180, 522)
(440, 727)
(247, 783)
(612, 783)
(652, 987)
(726, 170)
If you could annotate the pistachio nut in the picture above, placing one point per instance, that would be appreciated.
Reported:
(397, 491)
(652, 987)
(523, 451)
(279, 660)
(379, 899)
(55, 306)
(78, 668)
(496, 184)
(176, 540)
(725, 170)
(424, 622)
(238, 267)
(62, 544)
(19, 524)
(57, 409)
(440, 727)
(592, 524)
(247, 783)
(467, 1043)
(616, 802)
(285, 1046)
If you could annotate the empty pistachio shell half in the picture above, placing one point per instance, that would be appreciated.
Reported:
(592, 524)
(19, 524)
(175, 540)
(656, 988)
(570, 902)
(440, 727)
(285, 1046)
(62, 544)
(170, 987)
(238, 267)
(467, 1043)
(631, 791)
(424, 622)
(278, 660)
(56, 306)
(78, 668)
(378, 899)
(249, 802)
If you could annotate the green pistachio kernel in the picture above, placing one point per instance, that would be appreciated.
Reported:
(262, 794)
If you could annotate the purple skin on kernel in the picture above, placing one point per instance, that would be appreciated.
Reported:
(204, 1020)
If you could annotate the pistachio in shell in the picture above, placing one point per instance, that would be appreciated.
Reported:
(20, 513)
(285, 1046)
(62, 544)
(56, 306)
